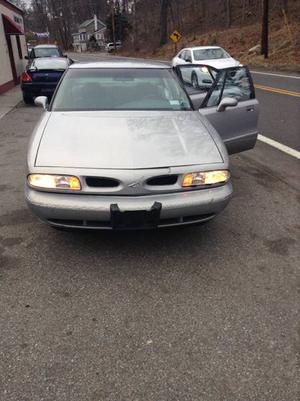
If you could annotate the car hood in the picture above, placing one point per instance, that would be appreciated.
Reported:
(220, 63)
(126, 140)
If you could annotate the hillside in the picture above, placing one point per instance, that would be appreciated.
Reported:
(243, 34)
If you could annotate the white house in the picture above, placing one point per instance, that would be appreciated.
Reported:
(12, 45)
(92, 27)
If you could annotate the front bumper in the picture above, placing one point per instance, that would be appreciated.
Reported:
(94, 211)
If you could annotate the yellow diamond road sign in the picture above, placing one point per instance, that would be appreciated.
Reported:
(175, 36)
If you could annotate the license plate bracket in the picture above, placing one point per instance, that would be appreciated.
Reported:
(135, 219)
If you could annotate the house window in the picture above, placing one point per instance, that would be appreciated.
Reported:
(18, 20)
(19, 46)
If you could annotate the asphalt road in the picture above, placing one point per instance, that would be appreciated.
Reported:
(207, 313)
(280, 108)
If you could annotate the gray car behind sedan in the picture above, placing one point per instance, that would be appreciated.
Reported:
(121, 146)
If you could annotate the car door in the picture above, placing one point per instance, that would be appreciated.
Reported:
(179, 60)
(185, 73)
(31, 54)
(231, 107)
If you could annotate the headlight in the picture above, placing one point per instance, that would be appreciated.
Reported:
(61, 182)
(205, 178)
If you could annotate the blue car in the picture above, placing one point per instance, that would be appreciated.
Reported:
(42, 76)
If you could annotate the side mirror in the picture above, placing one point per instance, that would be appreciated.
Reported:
(26, 57)
(188, 60)
(41, 101)
(65, 55)
(227, 102)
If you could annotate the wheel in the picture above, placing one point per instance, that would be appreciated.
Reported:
(195, 81)
(27, 99)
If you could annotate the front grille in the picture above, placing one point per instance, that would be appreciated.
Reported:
(186, 219)
(163, 180)
(101, 182)
(81, 223)
(108, 225)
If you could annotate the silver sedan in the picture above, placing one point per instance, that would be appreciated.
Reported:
(121, 146)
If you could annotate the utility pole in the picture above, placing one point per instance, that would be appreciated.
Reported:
(265, 30)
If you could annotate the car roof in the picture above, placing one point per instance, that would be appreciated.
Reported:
(202, 47)
(47, 46)
(122, 64)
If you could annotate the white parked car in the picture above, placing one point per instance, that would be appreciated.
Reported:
(111, 46)
(213, 56)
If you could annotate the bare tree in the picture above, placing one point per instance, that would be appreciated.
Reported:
(164, 22)
(228, 13)
(285, 5)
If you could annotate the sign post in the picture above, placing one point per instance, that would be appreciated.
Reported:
(175, 37)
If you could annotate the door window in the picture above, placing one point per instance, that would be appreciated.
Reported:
(188, 56)
(232, 82)
(215, 96)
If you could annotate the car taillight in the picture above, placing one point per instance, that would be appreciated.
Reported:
(26, 77)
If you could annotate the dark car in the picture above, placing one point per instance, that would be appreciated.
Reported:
(42, 51)
(42, 76)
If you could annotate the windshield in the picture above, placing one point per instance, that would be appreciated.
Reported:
(120, 89)
(46, 52)
(210, 54)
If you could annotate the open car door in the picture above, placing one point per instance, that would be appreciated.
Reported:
(228, 102)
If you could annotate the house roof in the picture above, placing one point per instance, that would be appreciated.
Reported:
(12, 6)
(91, 21)
(101, 29)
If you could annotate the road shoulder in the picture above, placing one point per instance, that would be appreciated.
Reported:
(9, 100)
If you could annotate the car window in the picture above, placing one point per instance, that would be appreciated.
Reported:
(188, 55)
(233, 82)
(47, 52)
(120, 89)
(209, 54)
(215, 96)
